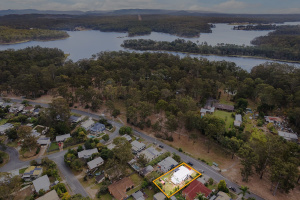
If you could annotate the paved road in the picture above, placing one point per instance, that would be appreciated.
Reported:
(71, 179)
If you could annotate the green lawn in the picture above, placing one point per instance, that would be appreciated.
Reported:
(150, 194)
(226, 116)
(3, 121)
(136, 179)
(21, 171)
(53, 146)
(106, 197)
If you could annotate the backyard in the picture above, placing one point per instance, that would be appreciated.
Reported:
(226, 116)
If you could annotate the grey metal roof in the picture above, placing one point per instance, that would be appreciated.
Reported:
(288, 136)
(97, 127)
(94, 163)
(138, 195)
(60, 138)
(87, 153)
(41, 183)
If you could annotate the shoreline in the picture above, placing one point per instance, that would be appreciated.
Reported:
(237, 56)
(24, 41)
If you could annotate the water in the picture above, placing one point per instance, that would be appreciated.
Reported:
(83, 44)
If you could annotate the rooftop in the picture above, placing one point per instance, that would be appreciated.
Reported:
(288, 136)
(61, 138)
(194, 188)
(52, 195)
(41, 183)
(87, 153)
(138, 195)
(151, 153)
(224, 107)
(118, 189)
(167, 163)
(97, 127)
(95, 163)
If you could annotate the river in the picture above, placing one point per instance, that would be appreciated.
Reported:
(83, 44)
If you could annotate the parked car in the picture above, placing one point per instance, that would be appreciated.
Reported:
(189, 163)
(161, 146)
(232, 188)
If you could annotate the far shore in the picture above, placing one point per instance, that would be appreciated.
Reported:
(24, 41)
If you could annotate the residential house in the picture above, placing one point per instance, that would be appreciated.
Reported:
(151, 153)
(62, 138)
(42, 183)
(87, 153)
(145, 171)
(95, 163)
(28, 109)
(167, 164)
(36, 111)
(274, 120)
(138, 195)
(127, 137)
(111, 146)
(44, 141)
(180, 174)
(100, 178)
(137, 146)
(75, 119)
(195, 187)
(238, 120)
(222, 196)
(209, 110)
(203, 178)
(118, 189)
(228, 108)
(52, 195)
(159, 196)
(5, 104)
(35, 133)
(5, 127)
(32, 173)
(288, 136)
(16, 108)
(97, 128)
(87, 124)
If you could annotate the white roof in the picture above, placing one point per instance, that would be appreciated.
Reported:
(87, 124)
(41, 183)
(136, 145)
(52, 195)
(127, 137)
(6, 126)
(238, 117)
(87, 153)
(288, 136)
(95, 163)
(151, 153)
(60, 138)
(43, 140)
(180, 175)
(111, 146)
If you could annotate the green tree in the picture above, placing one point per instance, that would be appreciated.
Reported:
(125, 130)
(234, 145)
(248, 161)
(9, 186)
(142, 160)
(244, 191)
(122, 150)
(222, 186)
(105, 137)
(201, 196)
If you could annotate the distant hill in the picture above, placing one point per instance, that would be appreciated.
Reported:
(97, 12)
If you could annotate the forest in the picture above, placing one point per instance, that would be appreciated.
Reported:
(282, 44)
(180, 25)
(11, 35)
(152, 83)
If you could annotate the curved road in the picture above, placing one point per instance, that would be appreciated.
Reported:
(75, 185)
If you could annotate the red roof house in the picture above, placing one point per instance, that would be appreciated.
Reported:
(194, 188)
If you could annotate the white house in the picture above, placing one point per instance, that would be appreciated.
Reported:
(44, 141)
(87, 124)
(42, 183)
(95, 163)
(137, 146)
(181, 174)
(238, 120)
(209, 110)
(87, 153)
(61, 138)
(127, 137)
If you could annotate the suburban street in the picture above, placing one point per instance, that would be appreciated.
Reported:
(75, 185)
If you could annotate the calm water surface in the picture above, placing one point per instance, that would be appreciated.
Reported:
(83, 44)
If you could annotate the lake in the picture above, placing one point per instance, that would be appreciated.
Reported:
(83, 44)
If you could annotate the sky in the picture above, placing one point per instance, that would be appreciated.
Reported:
(224, 6)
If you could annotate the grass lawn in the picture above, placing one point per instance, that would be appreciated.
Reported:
(5, 157)
(150, 194)
(226, 116)
(153, 175)
(211, 187)
(3, 121)
(137, 180)
(21, 171)
(12, 144)
(106, 197)
(53, 146)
